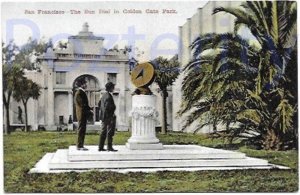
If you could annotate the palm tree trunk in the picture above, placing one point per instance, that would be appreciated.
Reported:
(164, 115)
(272, 141)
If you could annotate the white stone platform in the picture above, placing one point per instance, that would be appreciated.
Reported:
(172, 158)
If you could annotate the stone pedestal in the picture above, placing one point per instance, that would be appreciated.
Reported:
(144, 116)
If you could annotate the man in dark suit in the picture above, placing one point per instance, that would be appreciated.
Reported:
(83, 110)
(107, 108)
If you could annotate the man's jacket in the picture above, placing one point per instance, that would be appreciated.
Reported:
(107, 107)
(81, 105)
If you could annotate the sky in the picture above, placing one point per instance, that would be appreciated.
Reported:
(152, 32)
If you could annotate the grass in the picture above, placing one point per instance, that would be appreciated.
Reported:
(23, 150)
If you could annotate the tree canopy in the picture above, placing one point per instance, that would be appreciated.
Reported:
(15, 84)
(166, 72)
(247, 90)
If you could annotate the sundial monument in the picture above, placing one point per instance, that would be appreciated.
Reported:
(143, 111)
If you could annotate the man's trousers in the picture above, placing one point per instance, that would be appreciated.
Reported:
(108, 131)
(81, 132)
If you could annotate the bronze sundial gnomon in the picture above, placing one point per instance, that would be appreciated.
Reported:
(142, 76)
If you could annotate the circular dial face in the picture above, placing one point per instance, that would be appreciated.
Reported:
(142, 74)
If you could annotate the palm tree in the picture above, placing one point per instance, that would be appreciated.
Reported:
(166, 72)
(273, 24)
(248, 85)
(215, 84)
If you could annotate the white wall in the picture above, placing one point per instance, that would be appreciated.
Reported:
(61, 107)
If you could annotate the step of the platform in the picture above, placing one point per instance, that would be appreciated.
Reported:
(60, 161)
(43, 167)
(172, 158)
(169, 152)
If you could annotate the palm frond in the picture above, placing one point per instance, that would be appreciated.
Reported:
(275, 26)
(285, 115)
(288, 23)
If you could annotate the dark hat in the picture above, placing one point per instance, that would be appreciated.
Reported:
(109, 85)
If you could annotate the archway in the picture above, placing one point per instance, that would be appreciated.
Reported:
(93, 94)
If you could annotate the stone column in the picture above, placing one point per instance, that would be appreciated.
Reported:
(50, 99)
(143, 115)
(70, 109)
(35, 123)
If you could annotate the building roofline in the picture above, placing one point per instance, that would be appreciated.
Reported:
(85, 37)
(207, 2)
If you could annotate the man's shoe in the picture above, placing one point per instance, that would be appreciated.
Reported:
(83, 149)
(101, 149)
(112, 150)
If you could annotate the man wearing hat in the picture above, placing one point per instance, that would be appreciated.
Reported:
(107, 109)
(83, 110)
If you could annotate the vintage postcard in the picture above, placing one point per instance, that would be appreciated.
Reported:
(149, 96)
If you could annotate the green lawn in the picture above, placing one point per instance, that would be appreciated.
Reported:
(23, 150)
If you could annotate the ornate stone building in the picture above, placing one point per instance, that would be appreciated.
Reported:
(84, 56)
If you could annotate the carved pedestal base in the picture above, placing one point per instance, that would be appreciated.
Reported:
(143, 124)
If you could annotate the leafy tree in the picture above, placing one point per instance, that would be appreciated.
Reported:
(10, 72)
(23, 91)
(249, 89)
(27, 56)
(14, 60)
(166, 72)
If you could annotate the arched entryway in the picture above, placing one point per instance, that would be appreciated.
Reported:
(93, 94)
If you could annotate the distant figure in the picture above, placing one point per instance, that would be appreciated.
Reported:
(107, 108)
(82, 111)
(20, 113)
